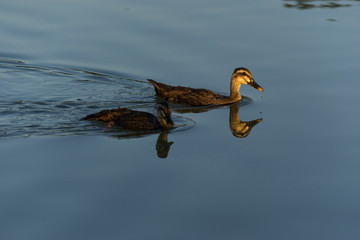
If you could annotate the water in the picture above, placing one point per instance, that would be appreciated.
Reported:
(294, 175)
(52, 100)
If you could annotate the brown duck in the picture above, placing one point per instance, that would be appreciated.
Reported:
(131, 119)
(203, 97)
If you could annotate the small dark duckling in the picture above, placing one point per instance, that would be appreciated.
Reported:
(136, 120)
(203, 97)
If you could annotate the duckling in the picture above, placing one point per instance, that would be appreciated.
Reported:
(136, 120)
(163, 145)
(203, 97)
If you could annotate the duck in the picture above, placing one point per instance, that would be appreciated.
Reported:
(205, 97)
(135, 120)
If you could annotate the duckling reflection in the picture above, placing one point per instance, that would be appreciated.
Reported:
(163, 145)
(240, 129)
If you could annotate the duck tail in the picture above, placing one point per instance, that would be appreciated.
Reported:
(152, 82)
(155, 84)
(88, 117)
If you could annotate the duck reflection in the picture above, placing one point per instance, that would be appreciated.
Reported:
(240, 129)
(163, 145)
(309, 4)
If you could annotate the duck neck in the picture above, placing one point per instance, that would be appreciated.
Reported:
(234, 90)
(166, 123)
(234, 118)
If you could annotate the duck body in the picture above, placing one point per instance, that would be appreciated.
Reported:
(191, 96)
(136, 120)
(204, 97)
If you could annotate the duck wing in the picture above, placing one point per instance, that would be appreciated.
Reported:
(138, 120)
(108, 115)
(180, 94)
(126, 118)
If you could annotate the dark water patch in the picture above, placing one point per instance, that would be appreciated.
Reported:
(312, 4)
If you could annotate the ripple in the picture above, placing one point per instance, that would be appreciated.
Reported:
(42, 100)
(100, 128)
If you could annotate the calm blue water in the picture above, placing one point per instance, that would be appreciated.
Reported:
(295, 175)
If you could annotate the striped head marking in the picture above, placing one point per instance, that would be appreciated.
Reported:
(244, 76)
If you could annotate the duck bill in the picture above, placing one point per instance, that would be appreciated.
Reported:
(254, 122)
(255, 85)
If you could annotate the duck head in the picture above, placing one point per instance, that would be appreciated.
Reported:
(243, 76)
(164, 115)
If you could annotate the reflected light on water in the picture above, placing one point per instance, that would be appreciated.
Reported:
(240, 129)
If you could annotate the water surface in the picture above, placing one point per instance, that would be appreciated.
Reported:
(294, 175)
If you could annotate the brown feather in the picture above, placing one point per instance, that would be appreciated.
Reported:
(204, 97)
(192, 96)
(127, 118)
